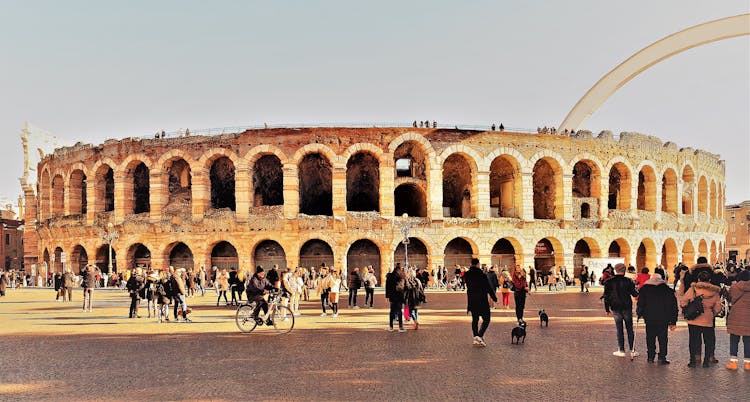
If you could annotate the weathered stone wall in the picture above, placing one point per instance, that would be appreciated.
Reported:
(181, 194)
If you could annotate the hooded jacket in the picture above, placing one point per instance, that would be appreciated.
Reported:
(711, 302)
(738, 321)
(657, 302)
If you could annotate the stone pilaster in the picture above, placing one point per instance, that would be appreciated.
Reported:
(291, 193)
(387, 202)
(527, 183)
(201, 200)
(243, 190)
(339, 191)
(483, 195)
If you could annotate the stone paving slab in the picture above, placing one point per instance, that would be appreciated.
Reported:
(53, 351)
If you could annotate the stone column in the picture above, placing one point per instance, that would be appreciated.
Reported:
(527, 212)
(91, 201)
(291, 196)
(158, 193)
(435, 194)
(658, 203)
(387, 187)
(339, 191)
(242, 192)
(567, 189)
(121, 194)
(483, 195)
(201, 187)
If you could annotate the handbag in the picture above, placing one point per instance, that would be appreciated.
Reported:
(694, 308)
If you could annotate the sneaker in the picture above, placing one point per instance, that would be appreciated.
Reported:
(297, 314)
(323, 314)
(482, 343)
(355, 308)
(188, 320)
(619, 353)
(692, 364)
(390, 329)
(650, 360)
(664, 362)
(477, 340)
(335, 315)
(706, 364)
(732, 365)
(401, 330)
(747, 366)
(269, 323)
(634, 354)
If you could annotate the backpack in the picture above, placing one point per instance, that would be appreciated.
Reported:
(618, 298)
(694, 308)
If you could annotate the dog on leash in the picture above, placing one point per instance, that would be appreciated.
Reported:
(518, 333)
(543, 318)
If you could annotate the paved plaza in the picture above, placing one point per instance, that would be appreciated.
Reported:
(53, 351)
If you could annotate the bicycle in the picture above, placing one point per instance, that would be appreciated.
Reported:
(281, 317)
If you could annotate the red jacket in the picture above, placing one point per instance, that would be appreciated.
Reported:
(641, 279)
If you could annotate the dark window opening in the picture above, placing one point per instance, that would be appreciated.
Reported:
(141, 187)
(316, 185)
(222, 184)
(410, 199)
(363, 183)
(268, 181)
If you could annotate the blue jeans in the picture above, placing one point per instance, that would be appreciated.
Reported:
(397, 308)
(734, 345)
(627, 318)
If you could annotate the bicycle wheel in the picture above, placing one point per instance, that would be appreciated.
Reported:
(283, 320)
(244, 318)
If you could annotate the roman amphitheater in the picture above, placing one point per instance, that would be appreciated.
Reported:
(343, 196)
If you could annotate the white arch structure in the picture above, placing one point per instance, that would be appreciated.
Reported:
(724, 28)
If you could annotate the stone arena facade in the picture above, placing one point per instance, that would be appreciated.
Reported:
(300, 197)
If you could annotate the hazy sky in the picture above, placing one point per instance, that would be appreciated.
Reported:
(92, 70)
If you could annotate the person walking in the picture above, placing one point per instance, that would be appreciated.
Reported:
(532, 277)
(506, 282)
(151, 296)
(477, 289)
(222, 284)
(370, 282)
(657, 305)
(494, 282)
(584, 279)
(395, 283)
(701, 329)
(414, 296)
(334, 283)
(323, 289)
(179, 291)
(355, 282)
(738, 321)
(162, 297)
(3, 283)
(66, 285)
(618, 303)
(233, 285)
(520, 289)
(57, 280)
(135, 285)
(88, 283)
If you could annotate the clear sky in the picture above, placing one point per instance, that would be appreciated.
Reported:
(92, 70)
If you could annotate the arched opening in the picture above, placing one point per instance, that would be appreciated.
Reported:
(180, 182)
(703, 249)
(713, 257)
(669, 191)
(364, 253)
(647, 189)
(410, 199)
(139, 256)
(580, 251)
(619, 249)
(688, 253)
(409, 160)
(547, 184)
(315, 185)
(269, 253)
(224, 256)
(58, 196)
(702, 195)
(58, 264)
(505, 187)
(78, 259)
(417, 254)
(363, 182)
(586, 180)
(458, 252)
(669, 255)
(181, 257)
(222, 184)
(712, 199)
(504, 254)
(545, 256)
(102, 259)
(458, 189)
(314, 253)
(104, 189)
(46, 259)
(77, 196)
(45, 194)
(585, 211)
(141, 189)
(688, 189)
(619, 187)
(268, 181)
(645, 256)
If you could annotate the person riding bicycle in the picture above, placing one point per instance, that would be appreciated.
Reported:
(258, 287)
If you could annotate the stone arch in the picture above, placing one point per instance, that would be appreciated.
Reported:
(506, 253)
(209, 156)
(315, 149)
(547, 188)
(703, 195)
(506, 186)
(619, 248)
(137, 185)
(57, 263)
(712, 199)
(587, 175)
(459, 251)
(424, 143)
(47, 260)
(669, 254)
(646, 188)
(176, 176)
(410, 199)
(645, 256)
(619, 186)
(138, 255)
(713, 256)
(268, 180)
(412, 160)
(180, 255)
(363, 253)
(418, 253)
(688, 189)
(102, 258)
(223, 255)
(548, 253)
(363, 182)
(45, 194)
(664, 48)
(376, 151)
(58, 195)
(259, 151)
(268, 253)
(669, 191)
(222, 173)
(77, 198)
(586, 247)
(459, 186)
(703, 248)
(79, 258)
(688, 253)
(315, 171)
(315, 252)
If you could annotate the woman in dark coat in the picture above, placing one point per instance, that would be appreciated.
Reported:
(394, 292)
(477, 289)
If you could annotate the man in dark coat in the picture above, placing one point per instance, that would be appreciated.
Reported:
(88, 282)
(355, 282)
(395, 285)
(657, 305)
(477, 289)
(135, 285)
(3, 282)
(58, 285)
(618, 303)
(67, 284)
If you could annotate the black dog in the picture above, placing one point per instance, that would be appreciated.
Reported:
(518, 333)
(543, 318)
